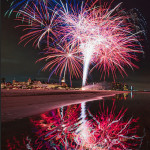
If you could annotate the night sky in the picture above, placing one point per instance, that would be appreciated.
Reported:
(18, 62)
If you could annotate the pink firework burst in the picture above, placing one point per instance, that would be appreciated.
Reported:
(115, 43)
(62, 60)
(103, 35)
(39, 23)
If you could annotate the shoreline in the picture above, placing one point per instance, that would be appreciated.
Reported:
(18, 104)
(38, 92)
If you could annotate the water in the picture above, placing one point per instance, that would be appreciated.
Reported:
(101, 124)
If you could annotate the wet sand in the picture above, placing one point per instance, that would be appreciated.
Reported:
(17, 104)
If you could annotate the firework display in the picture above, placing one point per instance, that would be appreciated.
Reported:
(103, 36)
(65, 128)
(63, 60)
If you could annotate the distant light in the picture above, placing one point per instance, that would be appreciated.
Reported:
(82, 88)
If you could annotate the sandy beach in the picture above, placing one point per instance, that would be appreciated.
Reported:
(17, 104)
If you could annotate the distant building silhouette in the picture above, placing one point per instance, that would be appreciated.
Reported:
(29, 81)
(32, 84)
(119, 86)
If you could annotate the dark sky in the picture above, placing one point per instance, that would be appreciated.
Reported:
(18, 61)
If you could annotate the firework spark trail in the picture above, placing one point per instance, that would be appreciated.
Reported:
(28, 144)
(83, 129)
(57, 129)
(17, 5)
(87, 59)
